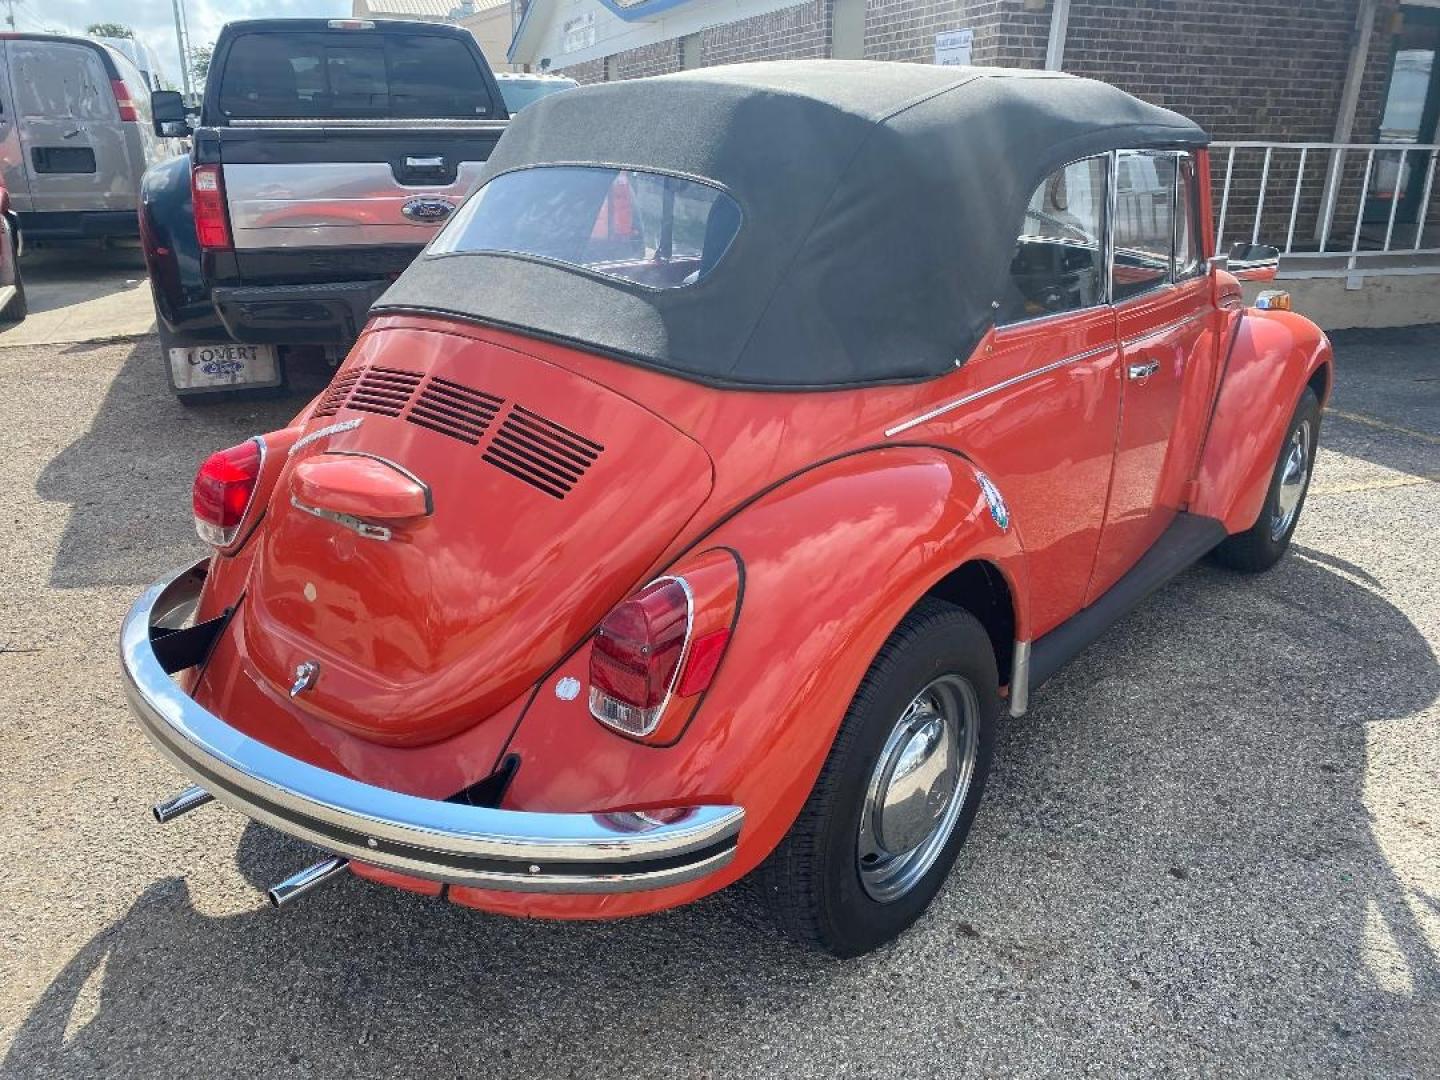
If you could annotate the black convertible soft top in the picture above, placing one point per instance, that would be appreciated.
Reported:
(881, 204)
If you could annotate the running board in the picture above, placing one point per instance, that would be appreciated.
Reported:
(1181, 545)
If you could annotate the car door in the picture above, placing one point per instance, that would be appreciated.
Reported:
(69, 125)
(1165, 323)
(1041, 421)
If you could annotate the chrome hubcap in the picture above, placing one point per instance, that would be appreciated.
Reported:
(918, 788)
(1294, 477)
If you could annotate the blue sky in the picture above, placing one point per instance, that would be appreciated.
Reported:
(153, 21)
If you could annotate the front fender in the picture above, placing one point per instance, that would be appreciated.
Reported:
(833, 559)
(1274, 356)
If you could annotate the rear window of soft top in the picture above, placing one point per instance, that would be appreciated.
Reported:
(352, 75)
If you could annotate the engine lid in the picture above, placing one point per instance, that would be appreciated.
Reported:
(548, 497)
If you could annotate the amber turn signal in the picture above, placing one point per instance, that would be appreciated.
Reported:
(1273, 300)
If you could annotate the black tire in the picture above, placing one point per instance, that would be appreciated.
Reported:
(1260, 547)
(813, 879)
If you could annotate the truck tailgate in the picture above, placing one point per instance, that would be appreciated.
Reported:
(326, 204)
(359, 186)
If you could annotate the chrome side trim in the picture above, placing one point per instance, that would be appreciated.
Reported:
(1020, 679)
(428, 838)
(941, 410)
(1161, 331)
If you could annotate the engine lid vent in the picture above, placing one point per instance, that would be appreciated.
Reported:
(455, 410)
(383, 390)
(335, 396)
(547, 456)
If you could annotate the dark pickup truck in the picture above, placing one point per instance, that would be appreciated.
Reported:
(326, 154)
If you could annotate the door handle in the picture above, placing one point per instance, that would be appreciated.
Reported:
(1142, 371)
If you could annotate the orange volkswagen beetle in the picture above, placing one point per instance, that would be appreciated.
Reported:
(693, 507)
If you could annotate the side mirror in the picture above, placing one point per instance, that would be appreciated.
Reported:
(1254, 262)
(171, 118)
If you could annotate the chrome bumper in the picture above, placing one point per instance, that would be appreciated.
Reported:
(427, 838)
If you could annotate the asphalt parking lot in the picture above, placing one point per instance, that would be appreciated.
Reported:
(1212, 847)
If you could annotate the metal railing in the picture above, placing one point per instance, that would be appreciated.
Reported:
(1336, 246)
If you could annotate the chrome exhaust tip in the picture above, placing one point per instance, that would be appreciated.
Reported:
(297, 885)
(183, 803)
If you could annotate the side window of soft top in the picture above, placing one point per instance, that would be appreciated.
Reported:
(1059, 261)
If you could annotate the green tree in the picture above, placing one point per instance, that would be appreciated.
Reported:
(110, 30)
(200, 63)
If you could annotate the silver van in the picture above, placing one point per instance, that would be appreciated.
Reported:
(75, 136)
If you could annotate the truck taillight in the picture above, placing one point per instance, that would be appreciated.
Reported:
(212, 222)
(123, 100)
(656, 653)
(224, 490)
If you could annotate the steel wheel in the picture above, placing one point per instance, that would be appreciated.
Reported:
(1294, 477)
(918, 788)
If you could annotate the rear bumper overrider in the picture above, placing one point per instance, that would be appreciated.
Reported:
(433, 839)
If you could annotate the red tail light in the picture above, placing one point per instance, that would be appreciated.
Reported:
(636, 656)
(654, 655)
(224, 489)
(123, 100)
(212, 222)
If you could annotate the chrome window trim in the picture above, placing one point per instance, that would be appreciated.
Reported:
(1192, 203)
(1111, 207)
(451, 842)
(951, 406)
(1169, 279)
(1104, 243)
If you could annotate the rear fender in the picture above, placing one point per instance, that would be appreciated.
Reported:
(832, 559)
(1275, 354)
(172, 255)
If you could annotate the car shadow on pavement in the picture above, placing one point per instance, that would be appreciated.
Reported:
(1386, 397)
(141, 451)
(1179, 839)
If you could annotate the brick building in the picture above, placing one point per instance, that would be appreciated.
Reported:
(1316, 71)
(489, 20)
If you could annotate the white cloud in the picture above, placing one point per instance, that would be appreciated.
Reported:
(154, 22)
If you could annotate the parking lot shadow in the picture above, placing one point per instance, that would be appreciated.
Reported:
(1179, 832)
(1386, 399)
(141, 451)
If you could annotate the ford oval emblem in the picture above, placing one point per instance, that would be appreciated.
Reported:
(427, 209)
